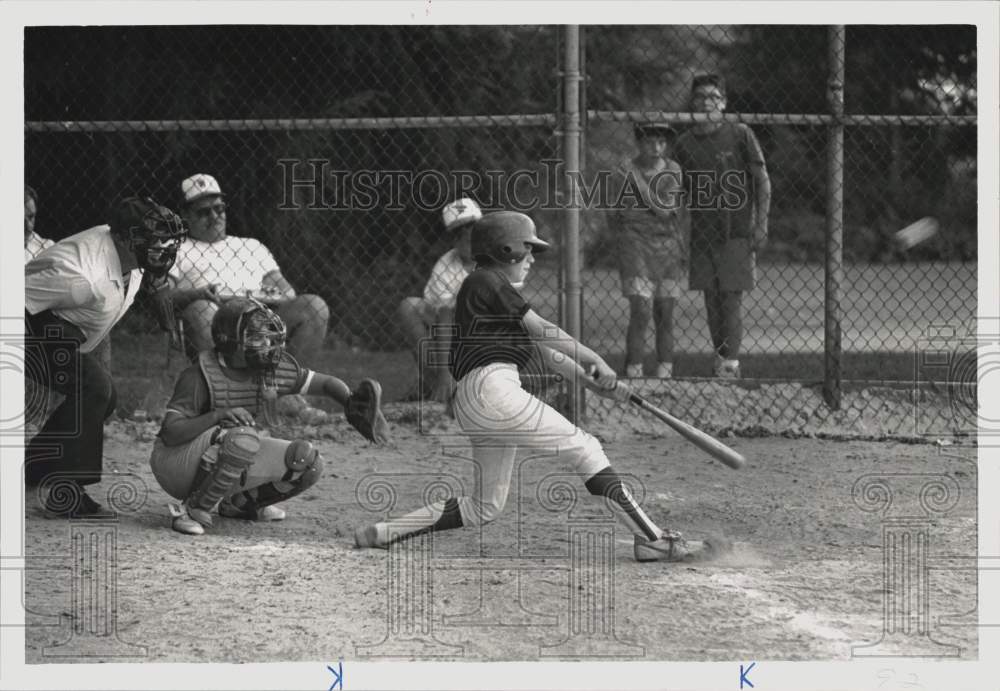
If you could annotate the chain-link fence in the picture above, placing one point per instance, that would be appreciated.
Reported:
(337, 147)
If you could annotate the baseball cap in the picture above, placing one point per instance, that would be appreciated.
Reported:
(460, 212)
(654, 129)
(198, 186)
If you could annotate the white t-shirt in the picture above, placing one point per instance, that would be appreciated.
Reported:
(36, 243)
(235, 264)
(446, 278)
(80, 280)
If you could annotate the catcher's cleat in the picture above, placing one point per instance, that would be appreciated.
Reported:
(183, 523)
(268, 513)
(367, 537)
(672, 547)
(271, 513)
(633, 371)
(665, 370)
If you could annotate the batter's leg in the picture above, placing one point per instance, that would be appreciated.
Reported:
(494, 462)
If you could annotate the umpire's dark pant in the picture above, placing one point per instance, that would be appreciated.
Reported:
(71, 443)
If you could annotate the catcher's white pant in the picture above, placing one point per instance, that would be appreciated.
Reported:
(500, 417)
(174, 467)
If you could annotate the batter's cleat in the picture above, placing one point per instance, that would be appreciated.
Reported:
(672, 547)
(633, 371)
(665, 370)
(268, 513)
(183, 523)
(367, 537)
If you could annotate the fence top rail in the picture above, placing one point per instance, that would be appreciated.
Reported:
(519, 120)
(279, 124)
(818, 119)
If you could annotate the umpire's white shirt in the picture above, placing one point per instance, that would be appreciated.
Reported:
(80, 280)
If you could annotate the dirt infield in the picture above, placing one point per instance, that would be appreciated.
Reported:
(804, 581)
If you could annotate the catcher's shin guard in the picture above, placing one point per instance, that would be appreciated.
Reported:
(235, 454)
(301, 455)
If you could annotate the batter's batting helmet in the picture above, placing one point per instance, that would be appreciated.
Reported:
(249, 334)
(505, 237)
(152, 231)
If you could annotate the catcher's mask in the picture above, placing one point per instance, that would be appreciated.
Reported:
(505, 237)
(249, 334)
(152, 232)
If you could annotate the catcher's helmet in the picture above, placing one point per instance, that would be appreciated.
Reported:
(249, 334)
(153, 233)
(505, 237)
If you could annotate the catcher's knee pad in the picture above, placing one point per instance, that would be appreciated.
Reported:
(300, 454)
(288, 487)
(235, 454)
(311, 474)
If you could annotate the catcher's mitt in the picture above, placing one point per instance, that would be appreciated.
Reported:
(364, 411)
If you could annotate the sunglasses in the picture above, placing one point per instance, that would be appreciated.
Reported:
(219, 208)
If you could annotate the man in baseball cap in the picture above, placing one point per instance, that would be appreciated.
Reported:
(436, 308)
(213, 267)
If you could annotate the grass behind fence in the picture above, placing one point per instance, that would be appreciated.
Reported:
(888, 310)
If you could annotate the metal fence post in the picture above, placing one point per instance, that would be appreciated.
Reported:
(834, 219)
(571, 150)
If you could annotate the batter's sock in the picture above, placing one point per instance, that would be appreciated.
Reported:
(607, 483)
(441, 515)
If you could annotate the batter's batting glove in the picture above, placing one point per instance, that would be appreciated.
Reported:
(364, 412)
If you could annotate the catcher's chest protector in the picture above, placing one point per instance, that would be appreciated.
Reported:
(258, 391)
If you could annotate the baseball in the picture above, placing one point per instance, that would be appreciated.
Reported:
(917, 232)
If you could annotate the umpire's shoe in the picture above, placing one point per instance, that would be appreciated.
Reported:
(70, 500)
(673, 547)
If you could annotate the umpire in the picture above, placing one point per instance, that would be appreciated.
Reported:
(74, 293)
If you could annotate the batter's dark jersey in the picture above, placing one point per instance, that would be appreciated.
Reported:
(488, 313)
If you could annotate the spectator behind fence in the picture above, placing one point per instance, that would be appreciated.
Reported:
(419, 315)
(74, 293)
(213, 267)
(33, 242)
(729, 198)
(650, 242)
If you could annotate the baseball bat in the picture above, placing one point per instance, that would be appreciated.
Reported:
(707, 443)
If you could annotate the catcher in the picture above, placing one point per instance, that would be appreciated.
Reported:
(213, 449)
